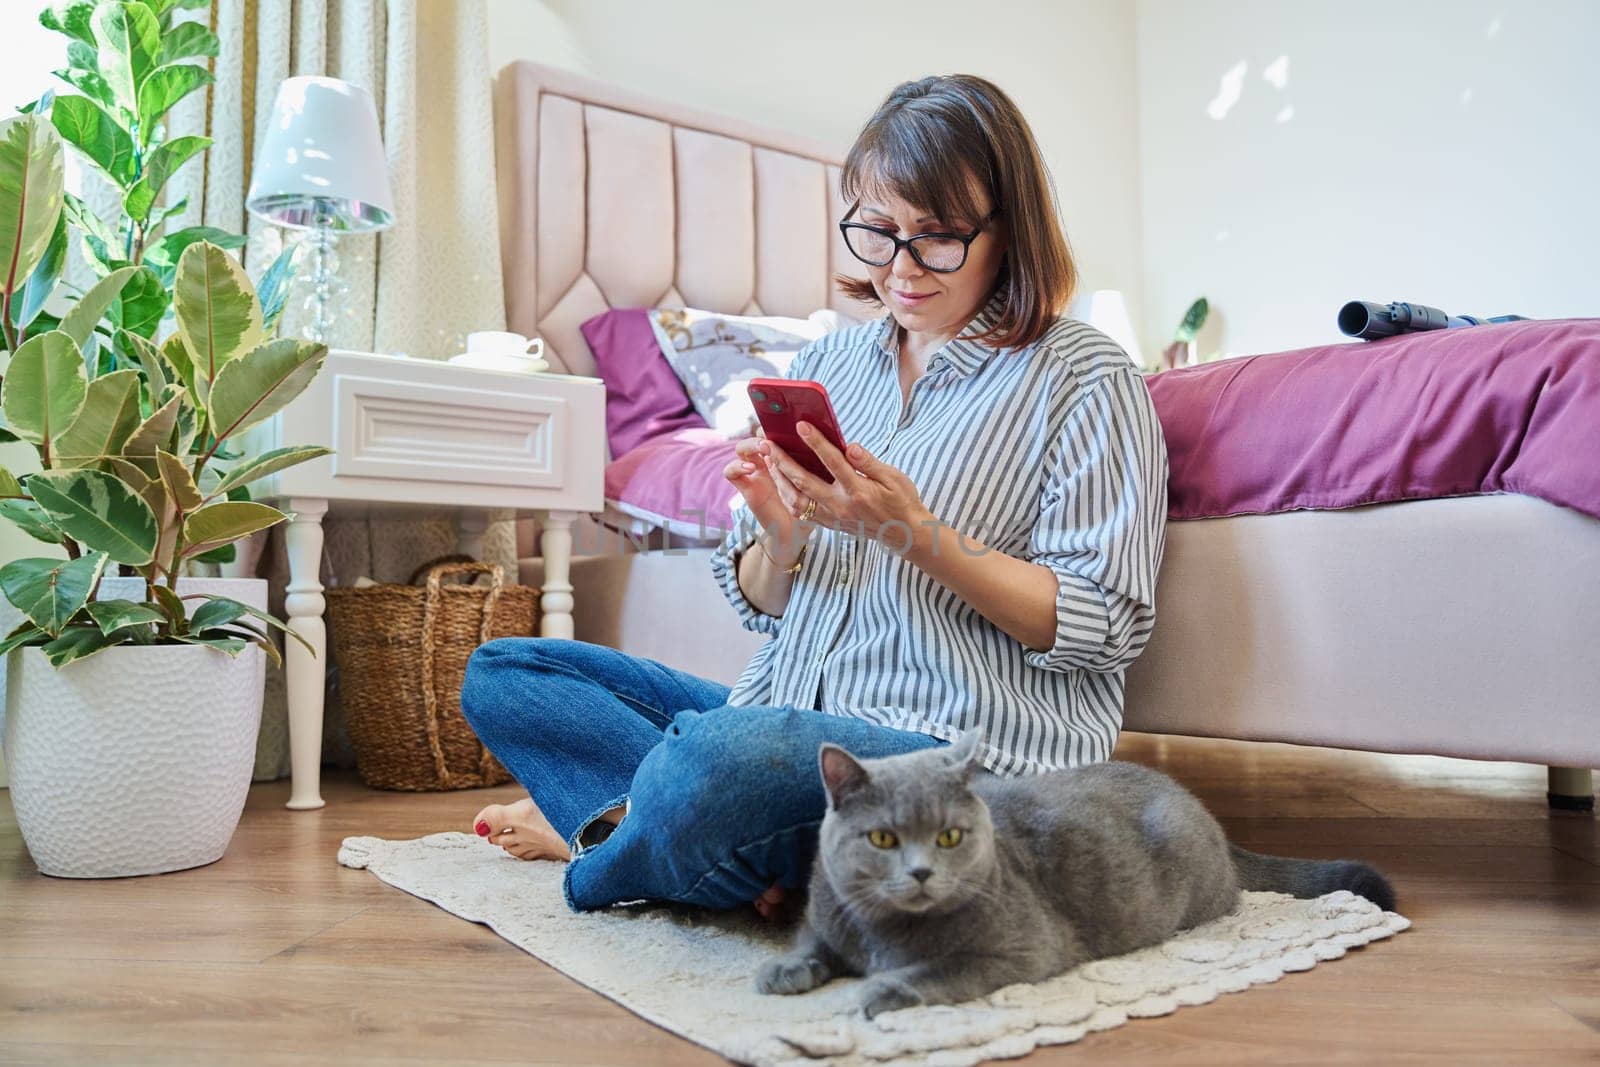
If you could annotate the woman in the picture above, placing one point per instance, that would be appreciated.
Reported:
(984, 558)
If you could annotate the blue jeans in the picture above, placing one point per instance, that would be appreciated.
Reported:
(722, 802)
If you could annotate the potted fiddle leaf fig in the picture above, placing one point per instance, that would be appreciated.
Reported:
(134, 701)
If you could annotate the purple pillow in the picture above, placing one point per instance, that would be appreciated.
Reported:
(644, 398)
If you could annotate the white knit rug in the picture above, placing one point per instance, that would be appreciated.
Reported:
(691, 971)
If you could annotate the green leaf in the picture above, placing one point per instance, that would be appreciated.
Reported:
(1193, 320)
(70, 17)
(127, 38)
(158, 222)
(22, 635)
(217, 611)
(50, 591)
(273, 291)
(84, 123)
(177, 357)
(157, 7)
(9, 486)
(138, 350)
(113, 615)
(268, 463)
(142, 305)
(163, 162)
(84, 218)
(110, 414)
(231, 645)
(44, 388)
(136, 474)
(89, 83)
(225, 521)
(177, 617)
(259, 639)
(81, 642)
(188, 39)
(188, 428)
(101, 257)
(225, 554)
(164, 254)
(268, 619)
(99, 511)
(155, 495)
(29, 301)
(31, 519)
(257, 385)
(164, 87)
(82, 55)
(31, 170)
(179, 482)
(91, 307)
(155, 433)
(219, 317)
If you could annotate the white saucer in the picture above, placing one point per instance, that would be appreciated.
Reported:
(501, 362)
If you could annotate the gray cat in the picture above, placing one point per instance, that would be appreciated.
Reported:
(941, 883)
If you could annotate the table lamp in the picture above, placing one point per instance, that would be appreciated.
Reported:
(321, 168)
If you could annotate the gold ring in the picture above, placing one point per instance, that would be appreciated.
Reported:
(811, 509)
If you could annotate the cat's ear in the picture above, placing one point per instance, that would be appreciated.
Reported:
(842, 774)
(964, 753)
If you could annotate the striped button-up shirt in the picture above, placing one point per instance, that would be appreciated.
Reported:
(1050, 454)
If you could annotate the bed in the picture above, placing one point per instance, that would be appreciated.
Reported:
(1458, 626)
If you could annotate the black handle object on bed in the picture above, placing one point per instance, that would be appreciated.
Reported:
(1368, 321)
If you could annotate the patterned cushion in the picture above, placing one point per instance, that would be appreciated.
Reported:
(714, 355)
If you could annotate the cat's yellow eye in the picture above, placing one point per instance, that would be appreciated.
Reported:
(882, 839)
(949, 838)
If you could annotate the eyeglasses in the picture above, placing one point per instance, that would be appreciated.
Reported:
(939, 252)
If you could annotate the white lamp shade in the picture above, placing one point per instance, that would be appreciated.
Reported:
(1107, 311)
(322, 161)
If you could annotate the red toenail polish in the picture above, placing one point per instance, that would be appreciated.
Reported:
(482, 828)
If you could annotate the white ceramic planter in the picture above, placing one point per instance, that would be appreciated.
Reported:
(135, 760)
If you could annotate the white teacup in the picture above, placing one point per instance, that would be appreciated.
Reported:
(505, 343)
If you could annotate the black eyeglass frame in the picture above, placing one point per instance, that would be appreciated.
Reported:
(910, 243)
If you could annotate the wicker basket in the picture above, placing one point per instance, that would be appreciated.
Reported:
(402, 652)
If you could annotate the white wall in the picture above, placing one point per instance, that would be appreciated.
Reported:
(821, 68)
(1441, 151)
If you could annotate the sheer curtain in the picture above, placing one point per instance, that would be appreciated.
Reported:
(418, 287)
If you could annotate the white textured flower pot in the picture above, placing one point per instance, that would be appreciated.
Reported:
(135, 760)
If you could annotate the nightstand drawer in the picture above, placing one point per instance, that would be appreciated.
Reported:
(384, 428)
(424, 433)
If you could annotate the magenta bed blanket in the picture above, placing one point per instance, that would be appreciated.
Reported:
(1505, 408)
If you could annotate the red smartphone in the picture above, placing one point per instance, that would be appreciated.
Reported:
(780, 403)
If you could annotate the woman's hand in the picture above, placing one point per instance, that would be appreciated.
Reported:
(868, 497)
(751, 474)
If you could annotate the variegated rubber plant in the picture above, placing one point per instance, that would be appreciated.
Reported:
(137, 438)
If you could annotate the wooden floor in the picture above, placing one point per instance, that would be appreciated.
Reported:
(277, 955)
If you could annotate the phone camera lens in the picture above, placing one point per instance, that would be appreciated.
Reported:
(757, 395)
(774, 406)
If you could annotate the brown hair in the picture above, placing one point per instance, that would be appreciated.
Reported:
(926, 144)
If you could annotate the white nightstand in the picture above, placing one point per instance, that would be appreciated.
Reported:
(419, 435)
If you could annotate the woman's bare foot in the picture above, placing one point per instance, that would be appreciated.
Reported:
(770, 903)
(522, 830)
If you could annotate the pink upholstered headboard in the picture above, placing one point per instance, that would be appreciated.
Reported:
(611, 199)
